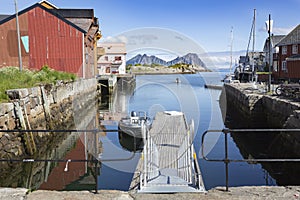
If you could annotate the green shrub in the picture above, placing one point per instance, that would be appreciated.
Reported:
(13, 78)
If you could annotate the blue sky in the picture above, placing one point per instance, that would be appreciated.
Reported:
(208, 22)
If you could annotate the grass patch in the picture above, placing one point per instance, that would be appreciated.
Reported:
(12, 78)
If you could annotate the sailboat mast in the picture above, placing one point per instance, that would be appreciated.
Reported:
(231, 44)
(253, 45)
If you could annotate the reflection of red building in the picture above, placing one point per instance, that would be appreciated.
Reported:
(85, 146)
(58, 178)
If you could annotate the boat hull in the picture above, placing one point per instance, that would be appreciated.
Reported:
(134, 130)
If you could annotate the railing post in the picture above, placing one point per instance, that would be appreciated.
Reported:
(96, 175)
(226, 158)
(145, 134)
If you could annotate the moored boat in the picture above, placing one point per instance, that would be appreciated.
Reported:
(133, 125)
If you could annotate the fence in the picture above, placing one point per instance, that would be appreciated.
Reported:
(226, 160)
(94, 160)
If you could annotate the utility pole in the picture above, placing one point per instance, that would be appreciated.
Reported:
(18, 35)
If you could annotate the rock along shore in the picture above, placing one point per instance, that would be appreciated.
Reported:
(246, 192)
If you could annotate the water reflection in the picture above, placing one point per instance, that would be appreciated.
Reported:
(121, 152)
(51, 171)
(130, 143)
(114, 107)
(268, 145)
(72, 175)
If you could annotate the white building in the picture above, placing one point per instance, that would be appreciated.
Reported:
(112, 59)
(275, 39)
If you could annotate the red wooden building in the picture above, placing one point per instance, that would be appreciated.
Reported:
(63, 39)
(286, 63)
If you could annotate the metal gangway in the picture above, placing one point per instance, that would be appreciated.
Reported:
(168, 162)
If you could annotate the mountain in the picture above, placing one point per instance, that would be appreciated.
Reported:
(190, 59)
(146, 60)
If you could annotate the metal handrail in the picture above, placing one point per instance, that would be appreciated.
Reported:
(95, 161)
(226, 160)
(66, 131)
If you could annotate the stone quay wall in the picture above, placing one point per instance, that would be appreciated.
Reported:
(262, 111)
(43, 107)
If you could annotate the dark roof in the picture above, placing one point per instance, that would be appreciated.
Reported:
(275, 40)
(76, 13)
(81, 17)
(2, 17)
(51, 11)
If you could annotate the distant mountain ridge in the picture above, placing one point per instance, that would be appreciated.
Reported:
(189, 59)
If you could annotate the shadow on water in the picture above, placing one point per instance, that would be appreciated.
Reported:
(268, 145)
(130, 143)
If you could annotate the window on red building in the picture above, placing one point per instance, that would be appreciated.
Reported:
(284, 50)
(283, 66)
(295, 49)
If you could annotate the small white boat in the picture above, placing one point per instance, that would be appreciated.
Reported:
(133, 125)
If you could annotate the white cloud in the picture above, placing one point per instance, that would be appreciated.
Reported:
(222, 59)
(278, 30)
(120, 38)
(282, 31)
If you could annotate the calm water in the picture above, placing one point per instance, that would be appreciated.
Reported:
(160, 92)
(120, 153)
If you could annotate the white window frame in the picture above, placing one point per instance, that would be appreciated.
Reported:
(284, 50)
(295, 49)
(283, 66)
(275, 66)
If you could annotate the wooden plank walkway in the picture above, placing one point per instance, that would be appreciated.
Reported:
(168, 132)
(167, 144)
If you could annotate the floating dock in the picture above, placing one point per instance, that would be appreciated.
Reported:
(212, 86)
(168, 163)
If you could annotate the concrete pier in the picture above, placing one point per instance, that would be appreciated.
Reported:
(258, 109)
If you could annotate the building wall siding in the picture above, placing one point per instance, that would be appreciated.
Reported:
(9, 45)
(293, 67)
(51, 42)
(54, 43)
